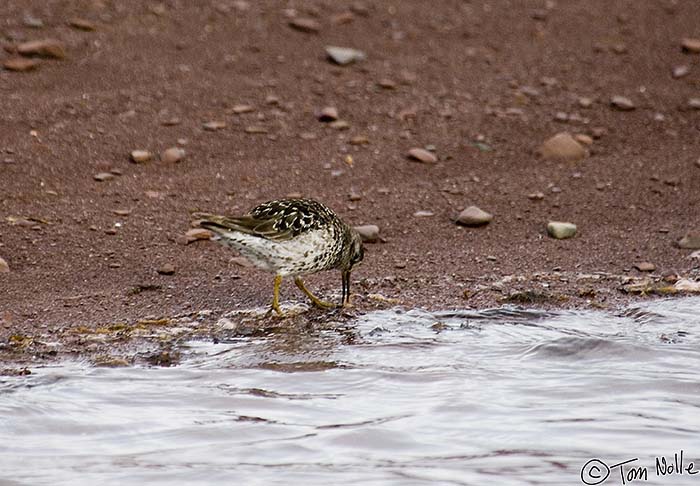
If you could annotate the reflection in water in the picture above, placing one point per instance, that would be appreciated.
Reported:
(397, 397)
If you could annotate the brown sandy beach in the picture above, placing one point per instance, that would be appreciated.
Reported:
(99, 265)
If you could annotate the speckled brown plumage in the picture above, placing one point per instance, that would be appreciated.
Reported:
(291, 237)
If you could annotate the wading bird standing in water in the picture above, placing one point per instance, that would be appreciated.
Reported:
(291, 237)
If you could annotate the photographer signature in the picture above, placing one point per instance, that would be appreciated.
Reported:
(596, 471)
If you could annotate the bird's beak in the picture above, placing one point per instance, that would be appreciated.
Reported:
(346, 288)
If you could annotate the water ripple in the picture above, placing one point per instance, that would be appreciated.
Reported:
(504, 396)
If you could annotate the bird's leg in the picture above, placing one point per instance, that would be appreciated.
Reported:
(346, 290)
(276, 295)
(316, 301)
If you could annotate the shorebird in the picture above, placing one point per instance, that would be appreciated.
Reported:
(291, 237)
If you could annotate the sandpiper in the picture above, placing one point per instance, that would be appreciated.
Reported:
(291, 237)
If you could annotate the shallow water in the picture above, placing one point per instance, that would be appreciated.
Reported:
(503, 396)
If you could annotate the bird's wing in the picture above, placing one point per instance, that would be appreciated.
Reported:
(268, 228)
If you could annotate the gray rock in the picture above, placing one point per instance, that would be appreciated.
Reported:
(561, 230)
(474, 216)
(691, 241)
(369, 233)
(622, 103)
(344, 55)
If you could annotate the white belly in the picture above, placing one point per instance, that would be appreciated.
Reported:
(306, 253)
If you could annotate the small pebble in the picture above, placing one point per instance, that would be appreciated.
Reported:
(423, 214)
(680, 71)
(140, 156)
(690, 45)
(563, 147)
(122, 212)
(359, 140)
(342, 18)
(32, 22)
(310, 26)
(561, 230)
(645, 266)
(369, 233)
(82, 24)
(20, 64)
(49, 48)
(103, 176)
(694, 103)
(198, 234)
(172, 155)
(256, 129)
(583, 139)
(240, 109)
(328, 114)
(4, 267)
(598, 132)
(213, 126)
(622, 103)
(421, 155)
(585, 102)
(387, 83)
(344, 55)
(339, 125)
(474, 216)
(166, 269)
(536, 196)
